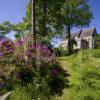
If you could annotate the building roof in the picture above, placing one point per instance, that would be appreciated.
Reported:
(84, 33)
(88, 32)
(76, 34)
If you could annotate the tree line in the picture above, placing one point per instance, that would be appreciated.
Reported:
(46, 18)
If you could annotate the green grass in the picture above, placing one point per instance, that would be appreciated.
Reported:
(20, 93)
(85, 64)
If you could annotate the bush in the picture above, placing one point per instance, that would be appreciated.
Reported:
(36, 65)
(6, 66)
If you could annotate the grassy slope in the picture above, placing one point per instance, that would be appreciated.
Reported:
(67, 62)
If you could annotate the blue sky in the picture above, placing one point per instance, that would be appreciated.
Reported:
(95, 6)
(14, 10)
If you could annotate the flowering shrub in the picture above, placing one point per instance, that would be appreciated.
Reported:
(6, 47)
(43, 55)
(34, 64)
(6, 58)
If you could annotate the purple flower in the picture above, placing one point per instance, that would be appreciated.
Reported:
(1, 85)
(55, 71)
(1, 54)
(21, 56)
(18, 43)
(10, 50)
(24, 39)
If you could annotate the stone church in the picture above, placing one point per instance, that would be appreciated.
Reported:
(83, 39)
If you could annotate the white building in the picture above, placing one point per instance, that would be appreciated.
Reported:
(84, 39)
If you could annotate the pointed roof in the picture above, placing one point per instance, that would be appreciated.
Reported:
(88, 32)
(76, 34)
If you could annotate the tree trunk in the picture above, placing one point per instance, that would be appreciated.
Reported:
(44, 17)
(34, 29)
(33, 21)
(69, 41)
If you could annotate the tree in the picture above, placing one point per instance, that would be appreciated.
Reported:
(51, 16)
(26, 25)
(76, 13)
(5, 27)
(48, 14)
(22, 27)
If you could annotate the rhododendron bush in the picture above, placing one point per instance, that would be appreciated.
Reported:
(23, 62)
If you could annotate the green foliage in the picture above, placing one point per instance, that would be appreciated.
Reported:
(20, 93)
(46, 83)
(77, 12)
(20, 28)
(5, 27)
(61, 51)
(96, 53)
(51, 16)
(24, 66)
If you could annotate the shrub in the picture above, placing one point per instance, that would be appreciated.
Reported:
(34, 64)
(6, 66)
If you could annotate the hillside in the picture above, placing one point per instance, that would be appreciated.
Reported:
(84, 79)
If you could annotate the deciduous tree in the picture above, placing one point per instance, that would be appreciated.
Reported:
(76, 13)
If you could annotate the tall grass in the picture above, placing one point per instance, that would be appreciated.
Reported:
(84, 80)
(20, 93)
(27, 93)
(85, 76)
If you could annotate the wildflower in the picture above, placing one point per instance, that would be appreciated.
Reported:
(1, 85)
(55, 71)
(24, 39)
(1, 54)
(18, 43)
